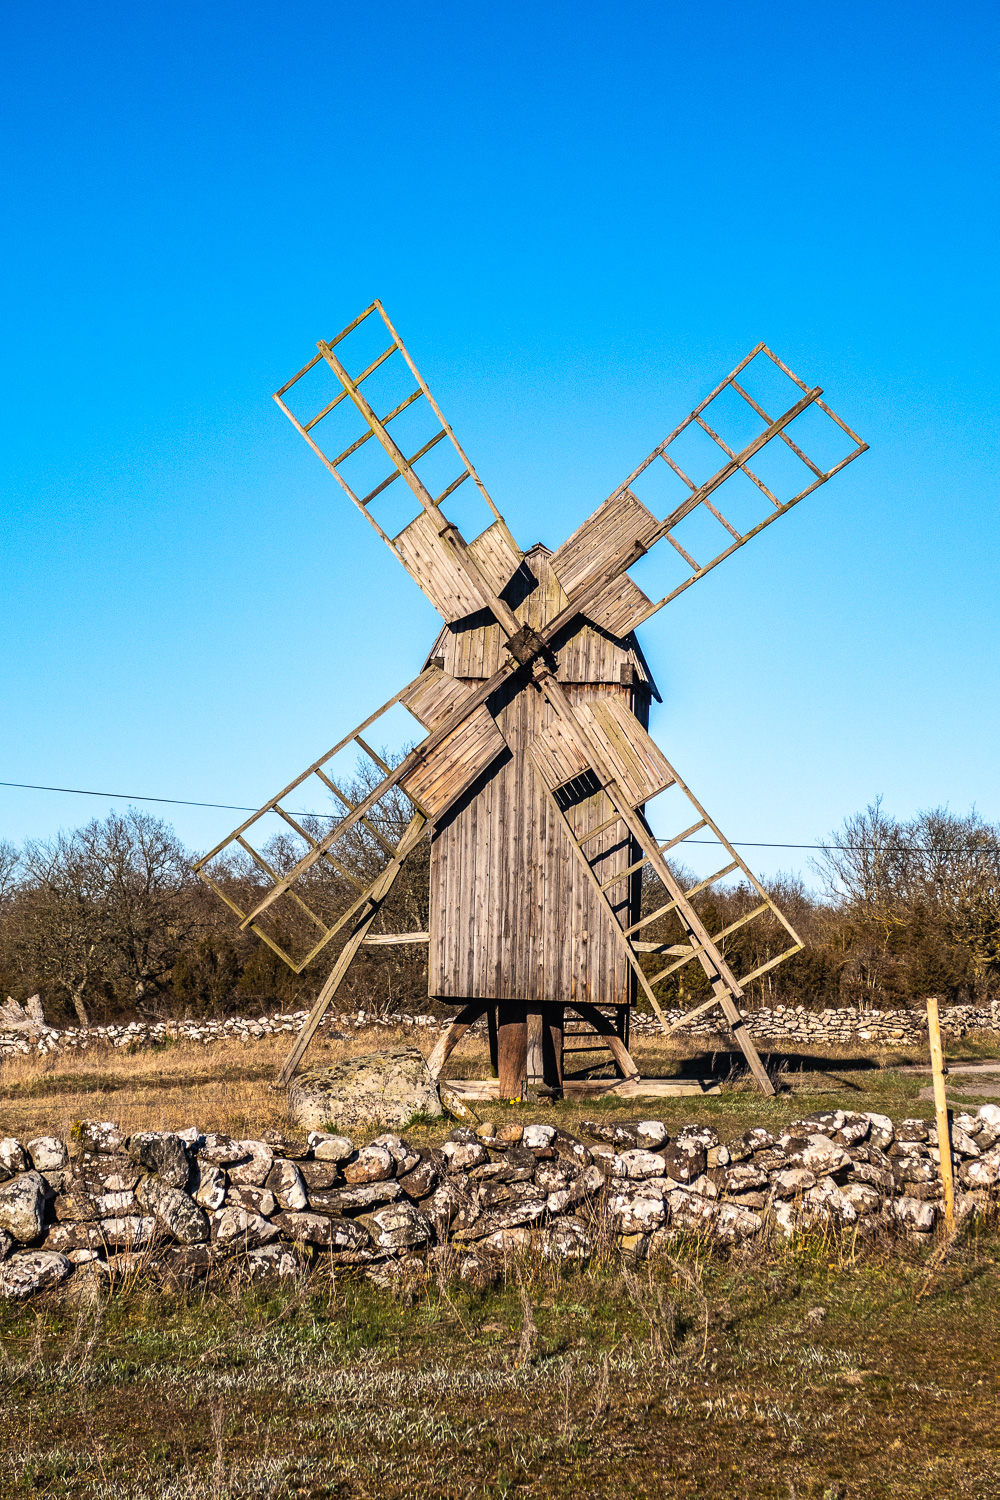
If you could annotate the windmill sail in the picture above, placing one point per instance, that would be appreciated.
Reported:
(457, 578)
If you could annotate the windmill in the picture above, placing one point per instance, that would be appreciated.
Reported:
(536, 778)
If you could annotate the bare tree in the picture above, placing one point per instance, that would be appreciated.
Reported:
(10, 870)
(57, 922)
(142, 871)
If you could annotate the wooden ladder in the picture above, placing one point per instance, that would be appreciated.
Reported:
(727, 991)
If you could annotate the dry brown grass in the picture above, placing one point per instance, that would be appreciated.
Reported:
(226, 1086)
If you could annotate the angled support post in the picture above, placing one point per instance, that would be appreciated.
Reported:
(375, 896)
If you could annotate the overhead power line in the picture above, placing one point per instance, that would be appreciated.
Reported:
(77, 791)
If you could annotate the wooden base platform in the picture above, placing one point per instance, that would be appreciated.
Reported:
(593, 1088)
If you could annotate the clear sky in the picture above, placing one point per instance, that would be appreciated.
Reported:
(580, 217)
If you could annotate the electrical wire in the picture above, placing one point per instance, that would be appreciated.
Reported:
(75, 791)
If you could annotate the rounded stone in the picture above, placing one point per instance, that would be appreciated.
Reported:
(377, 1088)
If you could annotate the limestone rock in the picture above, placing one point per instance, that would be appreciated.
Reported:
(286, 1184)
(72, 1239)
(221, 1151)
(691, 1211)
(735, 1223)
(162, 1152)
(253, 1168)
(372, 1164)
(683, 1160)
(13, 1157)
(421, 1182)
(316, 1229)
(22, 1204)
(127, 1231)
(401, 1152)
(256, 1200)
(744, 1177)
(386, 1088)
(33, 1271)
(637, 1164)
(174, 1211)
(326, 1147)
(459, 1156)
(208, 1185)
(447, 1203)
(48, 1154)
(538, 1136)
(981, 1173)
(319, 1174)
(511, 1216)
(881, 1131)
(272, 1261)
(650, 1135)
(792, 1182)
(568, 1239)
(913, 1214)
(104, 1136)
(636, 1212)
(285, 1147)
(401, 1227)
(362, 1199)
(236, 1229)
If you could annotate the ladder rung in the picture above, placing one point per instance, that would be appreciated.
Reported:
(630, 871)
(661, 911)
(601, 828)
(336, 462)
(680, 837)
(717, 937)
(452, 487)
(364, 376)
(376, 758)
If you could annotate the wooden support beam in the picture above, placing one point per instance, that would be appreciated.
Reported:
(377, 894)
(449, 1039)
(608, 1033)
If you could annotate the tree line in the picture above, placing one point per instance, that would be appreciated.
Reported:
(109, 921)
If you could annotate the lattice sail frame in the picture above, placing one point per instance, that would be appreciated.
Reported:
(430, 546)
(740, 462)
(356, 813)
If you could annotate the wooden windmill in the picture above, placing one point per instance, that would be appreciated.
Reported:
(536, 775)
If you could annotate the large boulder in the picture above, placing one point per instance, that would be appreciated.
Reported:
(378, 1088)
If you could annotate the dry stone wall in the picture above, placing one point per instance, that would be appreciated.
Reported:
(106, 1208)
(782, 1024)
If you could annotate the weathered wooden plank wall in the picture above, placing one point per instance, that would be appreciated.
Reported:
(512, 915)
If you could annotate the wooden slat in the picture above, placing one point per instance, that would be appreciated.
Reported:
(584, 557)
(438, 780)
(559, 755)
(497, 555)
(437, 568)
(619, 607)
(638, 764)
(434, 696)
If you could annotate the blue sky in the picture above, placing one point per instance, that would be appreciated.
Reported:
(579, 217)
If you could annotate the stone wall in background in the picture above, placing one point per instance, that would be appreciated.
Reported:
(782, 1024)
(107, 1210)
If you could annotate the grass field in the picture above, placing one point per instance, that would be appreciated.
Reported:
(228, 1086)
(820, 1369)
(812, 1372)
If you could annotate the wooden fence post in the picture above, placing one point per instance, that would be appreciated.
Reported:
(938, 1071)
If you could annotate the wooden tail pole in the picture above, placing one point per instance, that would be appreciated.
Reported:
(938, 1071)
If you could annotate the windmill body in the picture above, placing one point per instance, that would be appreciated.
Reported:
(536, 775)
